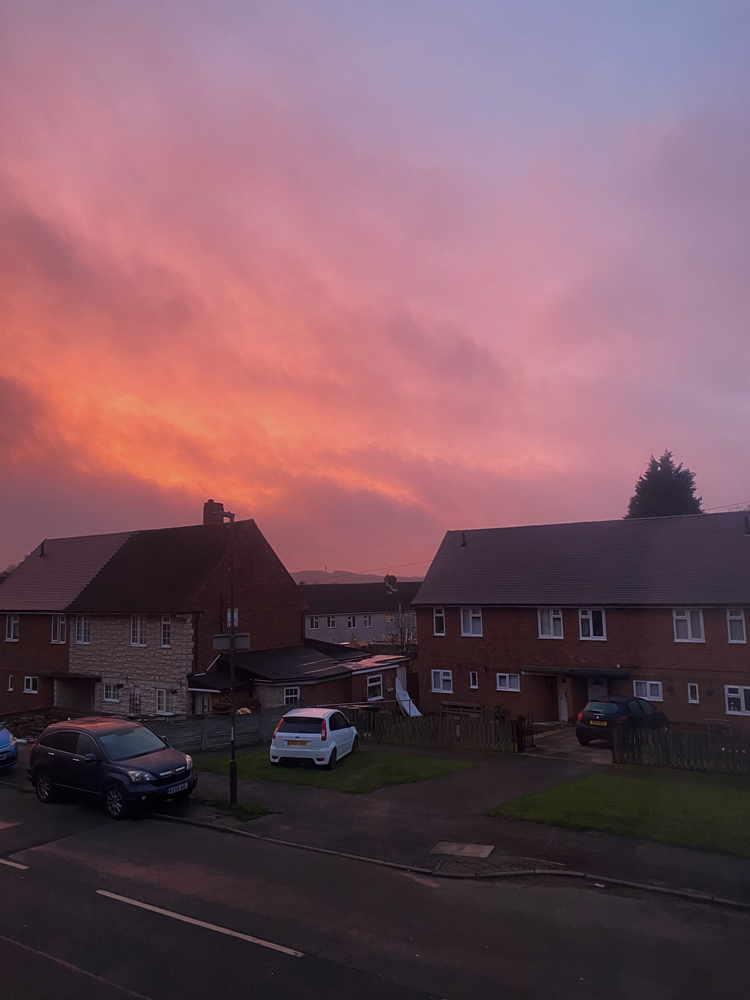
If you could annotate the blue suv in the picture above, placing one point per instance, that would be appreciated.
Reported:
(8, 748)
(120, 762)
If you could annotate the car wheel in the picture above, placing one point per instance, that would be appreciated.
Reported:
(114, 802)
(584, 741)
(45, 790)
(331, 760)
(355, 744)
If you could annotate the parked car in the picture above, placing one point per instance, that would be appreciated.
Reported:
(8, 748)
(321, 735)
(600, 717)
(120, 762)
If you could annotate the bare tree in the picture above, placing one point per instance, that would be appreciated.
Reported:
(402, 631)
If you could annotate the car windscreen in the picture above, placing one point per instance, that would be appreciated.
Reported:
(299, 724)
(130, 743)
(603, 707)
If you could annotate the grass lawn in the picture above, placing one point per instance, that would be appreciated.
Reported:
(707, 812)
(355, 773)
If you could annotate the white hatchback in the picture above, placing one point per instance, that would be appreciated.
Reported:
(322, 735)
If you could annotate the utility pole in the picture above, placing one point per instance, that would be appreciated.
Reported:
(232, 754)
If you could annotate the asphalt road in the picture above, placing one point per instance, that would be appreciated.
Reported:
(363, 931)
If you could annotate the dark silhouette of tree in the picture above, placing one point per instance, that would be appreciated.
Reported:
(663, 490)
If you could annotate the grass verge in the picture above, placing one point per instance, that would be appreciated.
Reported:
(240, 810)
(708, 816)
(356, 773)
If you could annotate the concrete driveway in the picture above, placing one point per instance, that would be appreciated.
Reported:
(562, 744)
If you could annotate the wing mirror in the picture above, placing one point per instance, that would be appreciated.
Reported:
(91, 758)
(165, 740)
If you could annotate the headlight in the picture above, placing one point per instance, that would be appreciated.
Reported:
(13, 740)
(140, 776)
(188, 761)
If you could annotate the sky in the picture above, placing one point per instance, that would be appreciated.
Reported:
(366, 272)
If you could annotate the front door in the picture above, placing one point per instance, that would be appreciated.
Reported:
(597, 688)
(563, 714)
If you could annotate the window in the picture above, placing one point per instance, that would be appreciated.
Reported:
(236, 617)
(650, 690)
(471, 621)
(508, 682)
(442, 680)
(592, 624)
(137, 630)
(390, 618)
(366, 621)
(473, 679)
(11, 628)
(31, 685)
(166, 630)
(550, 623)
(291, 696)
(688, 625)
(10, 682)
(438, 621)
(164, 702)
(58, 628)
(736, 624)
(110, 692)
(693, 694)
(66, 741)
(83, 629)
(315, 622)
(330, 622)
(85, 745)
(374, 687)
(351, 621)
(738, 700)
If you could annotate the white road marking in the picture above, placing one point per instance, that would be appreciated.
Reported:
(202, 923)
(13, 864)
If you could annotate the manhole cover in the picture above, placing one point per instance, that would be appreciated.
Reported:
(463, 850)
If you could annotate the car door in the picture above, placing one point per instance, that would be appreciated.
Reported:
(59, 750)
(637, 715)
(86, 774)
(345, 733)
(651, 720)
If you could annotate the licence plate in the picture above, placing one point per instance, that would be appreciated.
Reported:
(593, 722)
(177, 788)
(297, 743)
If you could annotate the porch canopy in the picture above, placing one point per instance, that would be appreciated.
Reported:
(611, 673)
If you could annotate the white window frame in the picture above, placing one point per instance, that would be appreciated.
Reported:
(697, 693)
(314, 622)
(366, 621)
(474, 680)
(114, 693)
(236, 618)
(438, 618)
(654, 690)
(330, 621)
(291, 696)
(471, 621)
(167, 701)
(12, 628)
(736, 615)
(390, 619)
(58, 630)
(555, 614)
(83, 630)
(31, 685)
(10, 682)
(439, 680)
(587, 614)
(137, 630)
(686, 615)
(512, 682)
(166, 629)
(742, 694)
(351, 621)
(374, 680)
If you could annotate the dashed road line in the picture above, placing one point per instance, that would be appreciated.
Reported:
(14, 864)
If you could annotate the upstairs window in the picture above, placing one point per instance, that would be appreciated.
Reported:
(83, 630)
(351, 621)
(315, 622)
(688, 624)
(550, 623)
(442, 680)
(58, 628)
(366, 621)
(438, 621)
(166, 630)
(592, 623)
(11, 628)
(375, 687)
(330, 621)
(390, 619)
(471, 621)
(736, 624)
(137, 630)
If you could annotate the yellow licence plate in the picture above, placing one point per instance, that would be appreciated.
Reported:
(297, 743)
(593, 722)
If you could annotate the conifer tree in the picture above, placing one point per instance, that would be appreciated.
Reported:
(663, 490)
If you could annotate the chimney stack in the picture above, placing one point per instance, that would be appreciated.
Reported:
(213, 512)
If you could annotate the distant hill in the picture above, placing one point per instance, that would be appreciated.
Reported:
(344, 576)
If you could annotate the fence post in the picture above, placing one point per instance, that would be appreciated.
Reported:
(519, 734)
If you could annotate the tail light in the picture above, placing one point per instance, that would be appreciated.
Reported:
(323, 730)
(278, 727)
(580, 716)
(622, 718)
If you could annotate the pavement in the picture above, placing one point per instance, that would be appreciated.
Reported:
(562, 744)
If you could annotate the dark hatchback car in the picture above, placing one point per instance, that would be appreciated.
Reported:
(599, 718)
(120, 762)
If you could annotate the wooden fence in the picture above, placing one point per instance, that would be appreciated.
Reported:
(212, 731)
(722, 754)
(435, 731)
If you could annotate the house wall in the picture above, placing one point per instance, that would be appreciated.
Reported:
(641, 641)
(269, 602)
(341, 632)
(110, 655)
(34, 652)
(330, 692)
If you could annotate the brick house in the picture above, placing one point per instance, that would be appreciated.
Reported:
(542, 618)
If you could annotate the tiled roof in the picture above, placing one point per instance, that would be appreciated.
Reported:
(357, 598)
(701, 559)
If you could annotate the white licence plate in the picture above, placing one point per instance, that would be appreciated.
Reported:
(177, 788)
